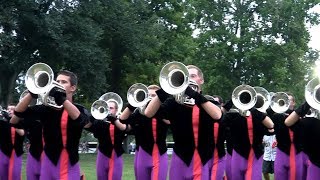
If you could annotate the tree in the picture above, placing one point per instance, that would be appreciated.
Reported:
(260, 43)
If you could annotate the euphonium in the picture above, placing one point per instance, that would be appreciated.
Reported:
(39, 80)
(280, 102)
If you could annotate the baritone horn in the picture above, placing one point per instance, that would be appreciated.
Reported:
(244, 97)
(39, 80)
(280, 102)
(174, 78)
(263, 99)
(137, 95)
(312, 93)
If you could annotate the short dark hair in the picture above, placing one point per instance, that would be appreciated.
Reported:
(73, 76)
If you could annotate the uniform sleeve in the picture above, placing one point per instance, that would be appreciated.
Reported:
(258, 115)
(33, 113)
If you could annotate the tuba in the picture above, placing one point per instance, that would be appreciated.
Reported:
(263, 99)
(39, 80)
(100, 109)
(280, 102)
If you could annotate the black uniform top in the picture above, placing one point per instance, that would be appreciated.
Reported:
(239, 132)
(311, 139)
(34, 134)
(221, 138)
(143, 132)
(6, 144)
(101, 131)
(283, 136)
(180, 117)
(51, 123)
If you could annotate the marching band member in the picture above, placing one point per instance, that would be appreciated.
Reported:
(62, 128)
(109, 164)
(11, 147)
(191, 129)
(247, 129)
(310, 136)
(151, 160)
(290, 161)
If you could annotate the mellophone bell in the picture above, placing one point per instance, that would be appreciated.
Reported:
(100, 109)
(39, 79)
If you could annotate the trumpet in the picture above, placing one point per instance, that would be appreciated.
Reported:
(39, 80)
(280, 102)
(100, 109)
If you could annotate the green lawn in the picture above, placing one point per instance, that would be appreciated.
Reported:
(88, 166)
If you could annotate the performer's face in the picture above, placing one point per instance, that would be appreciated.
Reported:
(65, 82)
(291, 103)
(152, 93)
(112, 108)
(11, 110)
(193, 73)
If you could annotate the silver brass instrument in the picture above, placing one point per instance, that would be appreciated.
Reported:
(174, 78)
(313, 113)
(137, 95)
(263, 99)
(99, 109)
(280, 102)
(244, 97)
(39, 80)
(113, 97)
(312, 93)
(182, 98)
(33, 101)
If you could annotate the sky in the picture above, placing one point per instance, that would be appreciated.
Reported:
(315, 32)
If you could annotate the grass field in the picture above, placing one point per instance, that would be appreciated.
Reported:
(88, 166)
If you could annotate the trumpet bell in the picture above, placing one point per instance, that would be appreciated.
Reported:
(312, 93)
(114, 97)
(38, 78)
(280, 102)
(137, 95)
(263, 99)
(99, 109)
(244, 97)
(174, 78)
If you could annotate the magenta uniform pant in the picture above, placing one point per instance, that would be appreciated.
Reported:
(219, 168)
(109, 167)
(228, 166)
(239, 167)
(50, 171)
(33, 168)
(14, 169)
(282, 166)
(151, 167)
(313, 172)
(179, 170)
